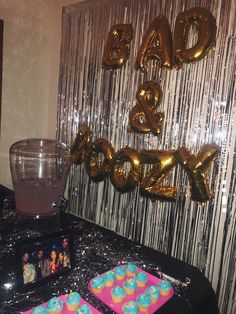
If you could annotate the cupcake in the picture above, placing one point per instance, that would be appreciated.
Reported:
(109, 278)
(131, 269)
(154, 293)
(72, 301)
(97, 284)
(130, 307)
(118, 294)
(120, 273)
(165, 288)
(55, 306)
(141, 279)
(83, 309)
(39, 310)
(130, 286)
(144, 302)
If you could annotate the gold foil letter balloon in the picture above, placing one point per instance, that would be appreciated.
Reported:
(205, 24)
(152, 185)
(156, 45)
(196, 168)
(144, 117)
(98, 170)
(116, 50)
(80, 146)
(122, 182)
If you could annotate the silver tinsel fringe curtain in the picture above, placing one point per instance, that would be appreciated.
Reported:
(199, 106)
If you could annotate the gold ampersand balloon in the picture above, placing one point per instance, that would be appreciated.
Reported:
(205, 24)
(144, 117)
(118, 176)
(116, 51)
(156, 45)
(80, 146)
(98, 170)
(152, 185)
(196, 168)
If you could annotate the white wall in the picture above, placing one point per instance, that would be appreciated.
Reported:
(31, 50)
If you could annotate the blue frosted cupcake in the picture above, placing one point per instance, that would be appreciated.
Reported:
(165, 288)
(120, 273)
(130, 307)
(118, 294)
(39, 310)
(154, 293)
(55, 306)
(72, 301)
(144, 302)
(131, 270)
(141, 279)
(83, 309)
(109, 278)
(98, 284)
(130, 286)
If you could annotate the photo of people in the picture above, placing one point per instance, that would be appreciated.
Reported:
(45, 259)
(28, 269)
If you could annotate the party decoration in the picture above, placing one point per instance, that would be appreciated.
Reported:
(98, 170)
(156, 45)
(199, 108)
(196, 168)
(116, 51)
(122, 182)
(144, 117)
(152, 185)
(205, 25)
(80, 146)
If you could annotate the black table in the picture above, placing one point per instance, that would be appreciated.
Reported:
(97, 250)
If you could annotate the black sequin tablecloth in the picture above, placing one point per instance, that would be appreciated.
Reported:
(97, 250)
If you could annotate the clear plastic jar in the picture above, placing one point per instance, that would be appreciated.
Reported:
(39, 169)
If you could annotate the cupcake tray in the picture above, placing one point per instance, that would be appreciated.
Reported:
(64, 309)
(105, 295)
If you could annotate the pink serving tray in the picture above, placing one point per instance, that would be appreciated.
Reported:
(64, 310)
(105, 295)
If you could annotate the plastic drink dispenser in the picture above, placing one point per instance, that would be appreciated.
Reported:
(39, 169)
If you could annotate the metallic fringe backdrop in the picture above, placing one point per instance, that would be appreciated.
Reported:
(198, 101)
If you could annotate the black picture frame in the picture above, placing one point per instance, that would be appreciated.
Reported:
(35, 272)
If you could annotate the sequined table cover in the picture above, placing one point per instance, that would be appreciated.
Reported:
(97, 250)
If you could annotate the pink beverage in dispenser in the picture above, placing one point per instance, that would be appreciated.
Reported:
(39, 170)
